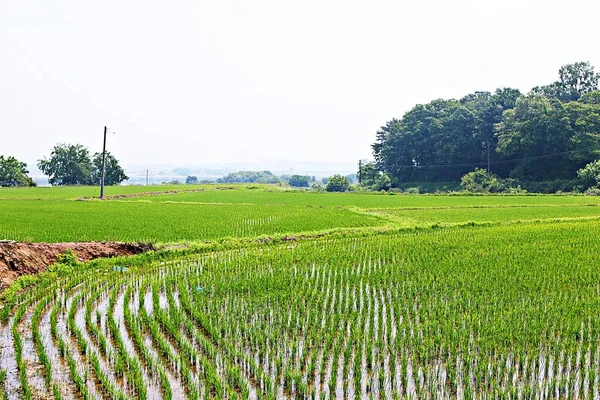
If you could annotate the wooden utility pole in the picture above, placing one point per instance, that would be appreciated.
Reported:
(103, 166)
(359, 172)
(488, 154)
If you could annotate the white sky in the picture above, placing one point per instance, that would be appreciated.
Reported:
(195, 82)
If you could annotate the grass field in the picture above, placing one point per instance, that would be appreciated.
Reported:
(235, 211)
(364, 306)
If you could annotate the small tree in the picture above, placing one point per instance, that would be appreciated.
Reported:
(68, 164)
(299, 180)
(480, 181)
(590, 175)
(337, 183)
(14, 173)
(382, 182)
(191, 180)
(113, 173)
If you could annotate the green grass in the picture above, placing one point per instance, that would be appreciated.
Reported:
(362, 200)
(219, 211)
(61, 221)
(485, 214)
(74, 192)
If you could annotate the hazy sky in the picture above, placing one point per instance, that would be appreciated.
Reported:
(193, 82)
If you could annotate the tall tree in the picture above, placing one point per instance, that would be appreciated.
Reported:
(442, 140)
(68, 164)
(113, 175)
(552, 139)
(575, 80)
(14, 173)
(578, 79)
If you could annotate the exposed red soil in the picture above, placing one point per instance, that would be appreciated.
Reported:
(18, 259)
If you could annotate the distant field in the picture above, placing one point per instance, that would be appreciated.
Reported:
(369, 200)
(487, 214)
(219, 211)
(73, 192)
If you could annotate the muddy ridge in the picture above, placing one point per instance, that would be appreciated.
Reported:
(18, 259)
(142, 194)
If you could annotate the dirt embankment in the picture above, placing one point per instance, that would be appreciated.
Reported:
(18, 259)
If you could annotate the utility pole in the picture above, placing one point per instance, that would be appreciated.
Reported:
(488, 154)
(146, 177)
(359, 172)
(103, 166)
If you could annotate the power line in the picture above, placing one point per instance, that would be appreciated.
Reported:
(495, 162)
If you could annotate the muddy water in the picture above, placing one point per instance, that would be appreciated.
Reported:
(34, 369)
(148, 302)
(163, 302)
(134, 302)
(60, 373)
(339, 383)
(174, 383)
(176, 298)
(101, 309)
(152, 387)
(8, 361)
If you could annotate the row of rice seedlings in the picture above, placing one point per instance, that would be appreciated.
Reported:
(3, 394)
(39, 343)
(445, 314)
(186, 354)
(18, 344)
(150, 360)
(207, 354)
(427, 344)
(210, 341)
(108, 384)
(78, 380)
(131, 364)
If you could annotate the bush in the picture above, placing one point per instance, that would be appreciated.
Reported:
(337, 183)
(427, 187)
(555, 186)
(480, 181)
(317, 187)
(383, 182)
(593, 192)
(68, 258)
(590, 175)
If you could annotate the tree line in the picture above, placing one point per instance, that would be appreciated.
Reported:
(68, 164)
(547, 134)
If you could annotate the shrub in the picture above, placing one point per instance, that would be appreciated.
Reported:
(590, 175)
(480, 181)
(337, 183)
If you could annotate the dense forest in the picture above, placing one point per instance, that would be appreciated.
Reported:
(544, 135)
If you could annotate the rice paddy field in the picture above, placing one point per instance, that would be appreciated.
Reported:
(259, 293)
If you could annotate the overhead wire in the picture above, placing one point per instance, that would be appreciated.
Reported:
(496, 162)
